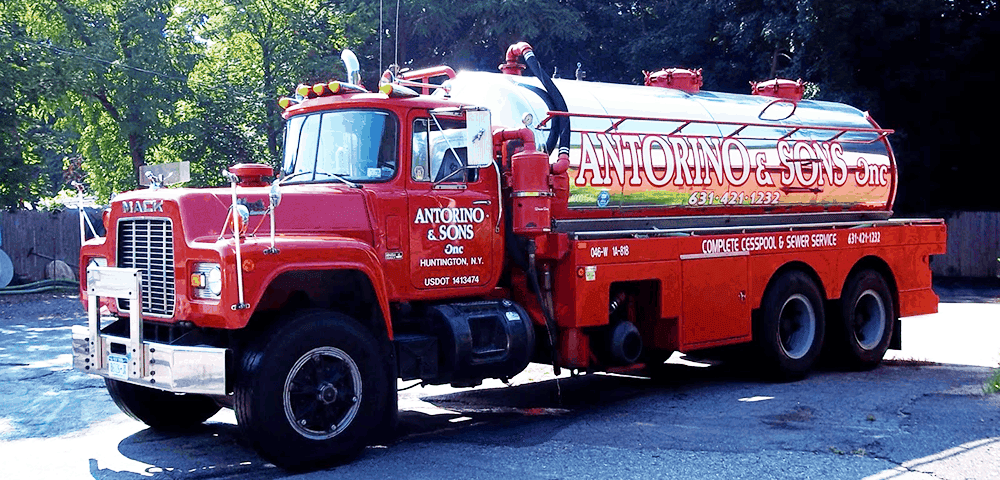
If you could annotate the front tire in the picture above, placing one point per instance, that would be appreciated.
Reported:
(865, 324)
(312, 392)
(788, 330)
(159, 409)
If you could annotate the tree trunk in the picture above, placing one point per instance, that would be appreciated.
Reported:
(138, 154)
(271, 121)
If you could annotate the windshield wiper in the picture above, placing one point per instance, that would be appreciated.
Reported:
(335, 177)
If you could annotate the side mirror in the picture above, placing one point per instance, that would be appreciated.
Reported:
(479, 137)
(275, 195)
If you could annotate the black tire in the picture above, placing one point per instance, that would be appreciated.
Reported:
(862, 331)
(788, 330)
(313, 391)
(159, 409)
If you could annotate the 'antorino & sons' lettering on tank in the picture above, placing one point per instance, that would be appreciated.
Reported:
(637, 170)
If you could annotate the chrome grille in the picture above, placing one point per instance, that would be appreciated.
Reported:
(148, 244)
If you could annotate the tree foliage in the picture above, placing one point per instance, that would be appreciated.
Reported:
(103, 87)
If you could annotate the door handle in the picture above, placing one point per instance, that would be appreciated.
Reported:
(481, 202)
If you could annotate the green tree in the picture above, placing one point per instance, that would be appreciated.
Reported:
(467, 34)
(30, 160)
(257, 50)
(114, 73)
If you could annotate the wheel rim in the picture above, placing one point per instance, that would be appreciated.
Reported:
(322, 393)
(797, 326)
(869, 320)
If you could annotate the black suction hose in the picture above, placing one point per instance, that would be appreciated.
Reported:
(559, 124)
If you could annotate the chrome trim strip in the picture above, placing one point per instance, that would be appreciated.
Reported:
(681, 222)
(696, 256)
(683, 232)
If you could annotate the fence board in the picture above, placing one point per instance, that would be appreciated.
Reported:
(973, 246)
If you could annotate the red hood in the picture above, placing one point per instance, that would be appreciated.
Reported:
(304, 209)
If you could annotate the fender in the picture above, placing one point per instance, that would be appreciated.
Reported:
(311, 253)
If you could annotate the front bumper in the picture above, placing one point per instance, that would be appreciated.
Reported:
(174, 368)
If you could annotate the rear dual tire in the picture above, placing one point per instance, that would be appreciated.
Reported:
(789, 327)
(864, 327)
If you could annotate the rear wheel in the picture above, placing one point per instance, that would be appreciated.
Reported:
(312, 392)
(159, 409)
(865, 325)
(788, 330)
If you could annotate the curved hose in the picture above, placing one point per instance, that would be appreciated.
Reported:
(560, 125)
(41, 287)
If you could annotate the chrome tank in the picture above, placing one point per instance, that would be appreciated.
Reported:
(700, 150)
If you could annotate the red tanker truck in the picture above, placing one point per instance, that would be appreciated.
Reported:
(451, 228)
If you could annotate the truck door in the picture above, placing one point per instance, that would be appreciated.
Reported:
(452, 209)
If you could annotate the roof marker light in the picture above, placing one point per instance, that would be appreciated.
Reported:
(397, 91)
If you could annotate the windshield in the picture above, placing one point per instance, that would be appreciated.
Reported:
(351, 145)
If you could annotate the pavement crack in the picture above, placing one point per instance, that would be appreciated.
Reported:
(84, 387)
(37, 376)
(899, 467)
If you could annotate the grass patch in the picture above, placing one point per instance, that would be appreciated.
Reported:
(587, 197)
(993, 384)
(907, 362)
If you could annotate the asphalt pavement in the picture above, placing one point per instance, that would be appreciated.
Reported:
(922, 415)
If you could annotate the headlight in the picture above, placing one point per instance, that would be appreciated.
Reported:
(206, 280)
(215, 281)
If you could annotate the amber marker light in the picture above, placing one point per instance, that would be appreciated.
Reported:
(319, 89)
(397, 91)
(303, 90)
(284, 102)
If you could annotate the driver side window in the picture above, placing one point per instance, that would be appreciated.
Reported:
(439, 151)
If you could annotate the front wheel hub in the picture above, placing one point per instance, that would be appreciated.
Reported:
(327, 393)
(322, 392)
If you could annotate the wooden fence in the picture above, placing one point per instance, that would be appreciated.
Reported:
(32, 239)
(973, 246)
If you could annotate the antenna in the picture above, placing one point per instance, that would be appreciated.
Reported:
(395, 37)
(380, 35)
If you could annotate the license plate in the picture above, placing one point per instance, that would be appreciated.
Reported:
(118, 366)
